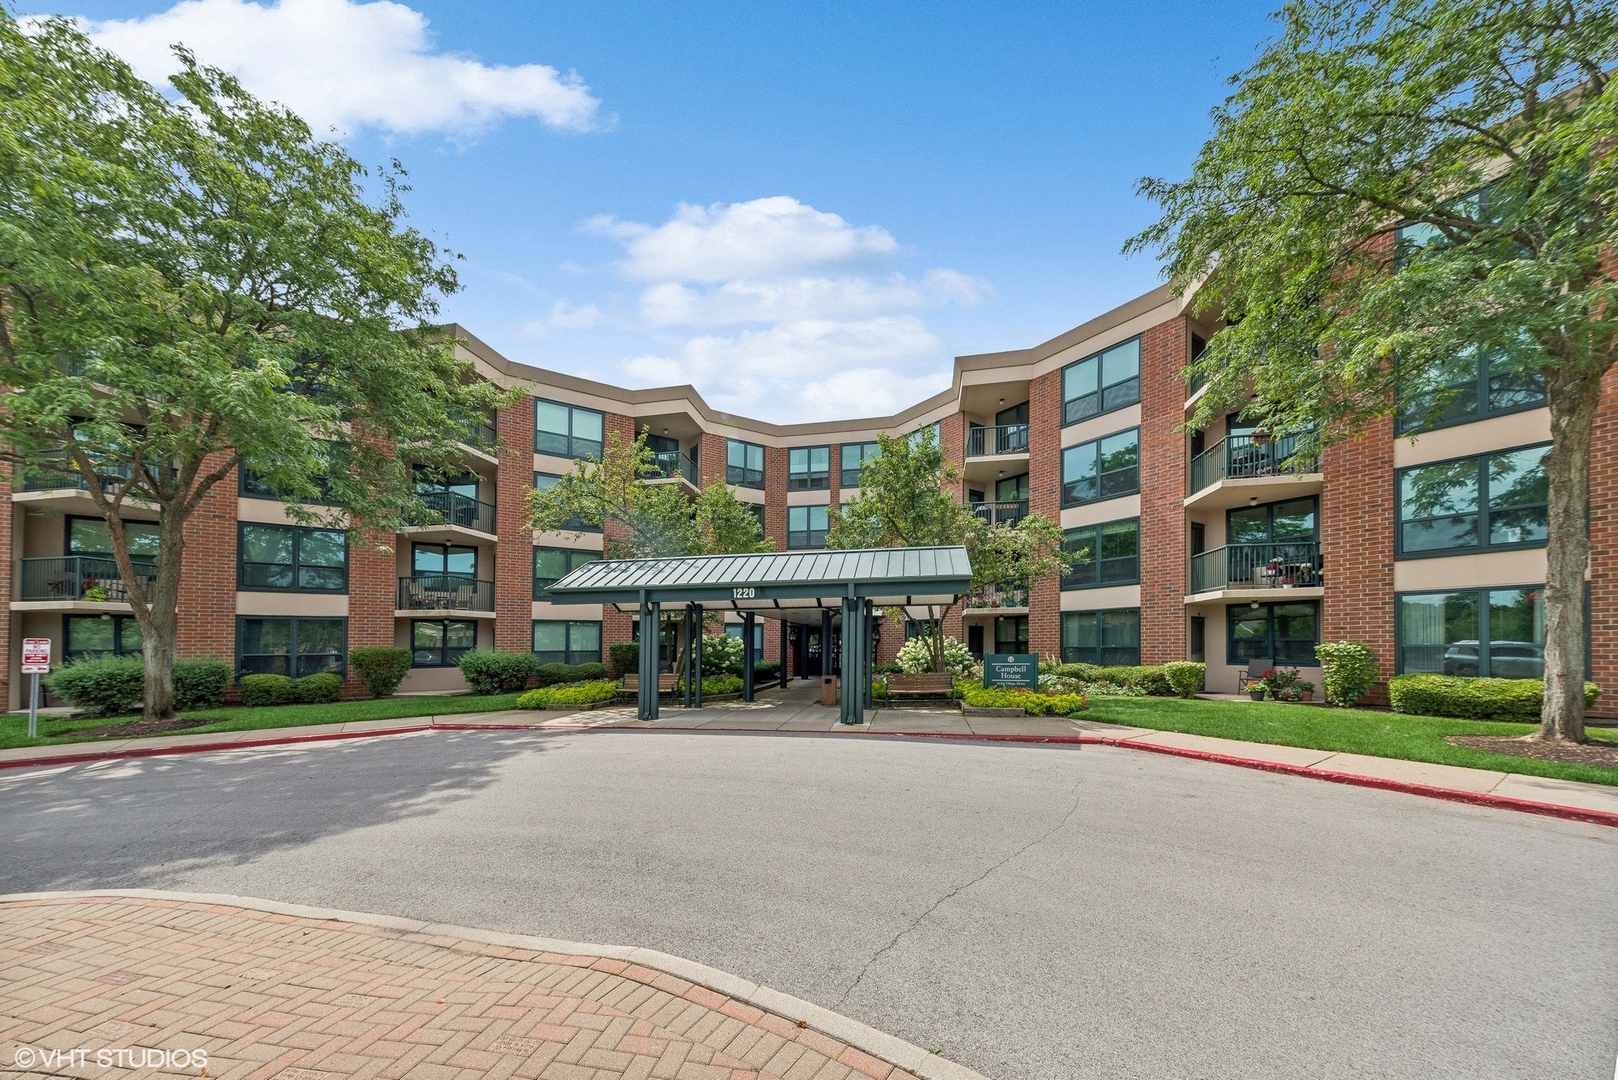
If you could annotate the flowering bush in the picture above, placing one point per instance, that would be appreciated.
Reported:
(582, 693)
(1032, 702)
(916, 656)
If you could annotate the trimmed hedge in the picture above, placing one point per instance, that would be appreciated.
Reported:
(200, 682)
(557, 674)
(584, 693)
(261, 690)
(321, 689)
(1029, 701)
(716, 684)
(489, 672)
(1473, 698)
(766, 671)
(100, 686)
(1348, 670)
(625, 657)
(381, 668)
(1152, 679)
(1185, 677)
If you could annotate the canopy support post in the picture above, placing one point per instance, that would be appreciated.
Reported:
(851, 700)
(786, 673)
(651, 642)
(747, 655)
(696, 654)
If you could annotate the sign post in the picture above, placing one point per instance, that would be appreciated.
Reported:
(36, 661)
(1011, 669)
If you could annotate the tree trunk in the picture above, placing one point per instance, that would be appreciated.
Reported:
(1573, 402)
(160, 626)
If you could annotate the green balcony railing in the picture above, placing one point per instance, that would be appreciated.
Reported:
(996, 440)
(92, 578)
(1257, 566)
(672, 465)
(453, 508)
(1245, 456)
(445, 592)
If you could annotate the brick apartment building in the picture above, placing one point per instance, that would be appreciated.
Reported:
(1213, 545)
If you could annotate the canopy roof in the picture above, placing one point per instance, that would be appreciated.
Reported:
(775, 580)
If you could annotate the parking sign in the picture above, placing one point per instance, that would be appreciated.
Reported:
(36, 656)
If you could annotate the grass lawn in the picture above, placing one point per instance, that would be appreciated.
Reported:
(1356, 731)
(53, 730)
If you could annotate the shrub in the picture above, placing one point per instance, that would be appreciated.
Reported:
(260, 690)
(558, 674)
(766, 671)
(916, 656)
(380, 668)
(1102, 689)
(715, 684)
(888, 669)
(320, 689)
(489, 672)
(1185, 677)
(102, 686)
(1347, 671)
(583, 693)
(1473, 698)
(625, 657)
(1152, 680)
(200, 682)
(1029, 701)
(1081, 672)
(721, 653)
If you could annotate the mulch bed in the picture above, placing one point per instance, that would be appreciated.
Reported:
(131, 728)
(1594, 752)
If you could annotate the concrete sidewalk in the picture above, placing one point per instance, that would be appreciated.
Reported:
(797, 711)
(231, 987)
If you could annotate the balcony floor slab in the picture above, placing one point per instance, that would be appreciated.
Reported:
(1279, 594)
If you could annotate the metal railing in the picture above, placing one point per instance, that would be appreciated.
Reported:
(479, 434)
(998, 596)
(47, 477)
(1004, 512)
(93, 578)
(453, 508)
(996, 440)
(672, 465)
(445, 592)
(1257, 566)
(1241, 456)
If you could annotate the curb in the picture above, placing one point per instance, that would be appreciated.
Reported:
(1475, 798)
(894, 1051)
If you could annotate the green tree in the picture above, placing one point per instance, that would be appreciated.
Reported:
(1395, 188)
(192, 286)
(906, 500)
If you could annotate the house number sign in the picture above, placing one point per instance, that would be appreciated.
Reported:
(746, 593)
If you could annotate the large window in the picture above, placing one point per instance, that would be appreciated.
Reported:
(1105, 554)
(854, 457)
(437, 643)
(1294, 520)
(567, 642)
(91, 536)
(291, 558)
(568, 431)
(553, 564)
(254, 486)
(290, 646)
(1284, 633)
(1473, 504)
(1101, 637)
(744, 464)
(1102, 469)
(1477, 384)
(1101, 383)
(543, 480)
(441, 559)
(86, 636)
(1011, 634)
(808, 468)
(735, 630)
(1494, 632)
(806, 526)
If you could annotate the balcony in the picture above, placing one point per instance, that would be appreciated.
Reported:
(1242, 468)
(1007, 512)
(78, 582)
(997, 600)
(671, 465)
(444, 594)
(1001, 440)
(449, 515)
(1245, 570)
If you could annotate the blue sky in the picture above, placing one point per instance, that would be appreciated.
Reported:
(806, 209)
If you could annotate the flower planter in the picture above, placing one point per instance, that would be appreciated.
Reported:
(1256, 695)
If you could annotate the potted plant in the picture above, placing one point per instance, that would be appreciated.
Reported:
(95, 593)
(1262, 436)
(1306, 691)
(1255, 689)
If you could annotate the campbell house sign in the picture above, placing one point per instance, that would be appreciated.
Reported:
(1011, 669)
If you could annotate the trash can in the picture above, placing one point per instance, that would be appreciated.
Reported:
(830, 689)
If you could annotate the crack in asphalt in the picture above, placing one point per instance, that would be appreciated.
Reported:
(942, 900)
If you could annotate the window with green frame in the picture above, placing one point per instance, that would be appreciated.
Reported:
(1104, 554)
(254, 486)
(1476, 385)
(744, 464)
(553, 564)
(853, 457)
(567, 641)
(292, 559)
(808, 468)
(1488, 632)
(736, 630)
(806, 526)
(1101, 469)
(1011, 634)
(927, 432)
(1101, 383)
(567, 430)
(1284, 633)
(290, 645)
(91, 536)
(441, 642)
(1473, 504)
(87, 636)
(543, 480)
(1101, 637)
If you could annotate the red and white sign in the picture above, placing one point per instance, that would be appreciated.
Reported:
(36, 656)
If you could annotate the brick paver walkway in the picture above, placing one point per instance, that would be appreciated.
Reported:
(275, 996)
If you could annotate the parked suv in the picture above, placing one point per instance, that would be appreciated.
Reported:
(1507, 659)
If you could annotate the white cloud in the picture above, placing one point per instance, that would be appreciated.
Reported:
(564, 316)
(347, 65)
(816, 333)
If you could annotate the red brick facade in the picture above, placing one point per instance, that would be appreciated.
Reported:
(1164, 556)
(1604, 549)
(1044, 497)
(1356, 546)
(513, 561)
(207, 601)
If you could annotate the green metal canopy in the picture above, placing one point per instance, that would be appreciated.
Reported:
(775, 580)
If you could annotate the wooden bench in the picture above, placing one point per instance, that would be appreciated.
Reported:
(929, 683)
(665, 684)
